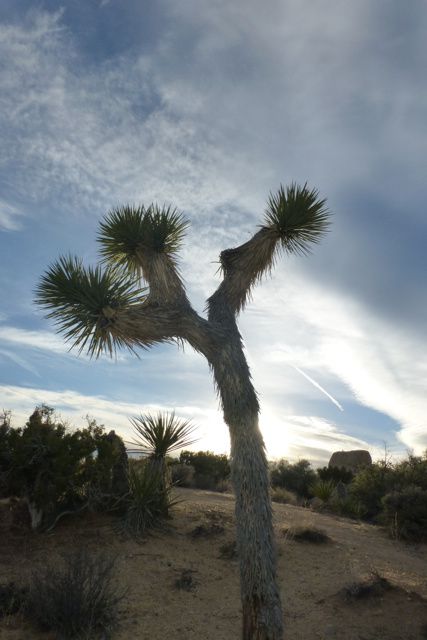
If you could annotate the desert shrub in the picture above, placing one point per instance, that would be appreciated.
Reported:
(411, 472)
(210, 469)
(348, 507)
(372, 586)
(186, 582)
(323, 489)
(222, 486)
(207, 530)
(370, 485)
(148, 503)
(405, 513)
(77, 598)
(12, 598)
(55, 469)
(335, 474)
(228, 551)
(307, 534)
(283, 496)
(182, 475)
(297, 477)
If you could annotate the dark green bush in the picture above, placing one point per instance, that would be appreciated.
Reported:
(210, 469)
(405, 513)
(307, 534)
(335, 474)
(411, 472)
(298, 477)
(77, 598)
(182, 475)
(56, 469)
(7, 444)
(370, 485)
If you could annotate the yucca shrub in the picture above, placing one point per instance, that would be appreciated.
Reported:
(77, 598)
(148, 502)
(323, 489)
(405, 513)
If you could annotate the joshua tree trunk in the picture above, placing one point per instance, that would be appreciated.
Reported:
(102, 309)
(262, 612)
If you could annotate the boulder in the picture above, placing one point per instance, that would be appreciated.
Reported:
(351, 460)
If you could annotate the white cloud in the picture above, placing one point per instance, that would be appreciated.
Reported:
(310, 437)
(33, 339)
(327, 334)
(113, 413)
(285, 435)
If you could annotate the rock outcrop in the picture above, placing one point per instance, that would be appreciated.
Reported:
(351, 460)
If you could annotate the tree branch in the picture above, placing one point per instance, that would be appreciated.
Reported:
(243, 267)
(149, 323)
(145, 242)
(162, 276)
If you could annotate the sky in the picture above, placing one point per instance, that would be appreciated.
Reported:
(209, 106)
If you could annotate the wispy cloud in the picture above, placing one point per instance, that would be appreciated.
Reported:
(21, 362)
(34, 339)
(376, 360)
(290, 434)
(9, 217)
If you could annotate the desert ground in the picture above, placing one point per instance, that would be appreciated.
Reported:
(182, 584)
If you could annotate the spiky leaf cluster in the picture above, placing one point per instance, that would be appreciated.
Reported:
(162, 433)
(127, 231)
(298, 216)
(82, 302)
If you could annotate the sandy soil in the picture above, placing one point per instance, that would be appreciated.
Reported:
(312, 576)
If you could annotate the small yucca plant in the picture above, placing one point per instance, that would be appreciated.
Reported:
(148, 502)
(323, 489)
(159, 434)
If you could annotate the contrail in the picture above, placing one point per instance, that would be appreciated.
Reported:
(317, 385)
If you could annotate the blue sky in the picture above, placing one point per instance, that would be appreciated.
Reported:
(210, 105)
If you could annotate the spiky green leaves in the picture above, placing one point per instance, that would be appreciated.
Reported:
(127, 232)
(160, 434)
(83, 303)
(298, 216)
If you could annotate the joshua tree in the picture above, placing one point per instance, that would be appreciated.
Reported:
(103, 308)
(158, 435)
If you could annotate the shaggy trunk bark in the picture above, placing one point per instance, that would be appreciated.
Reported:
(262, 613)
